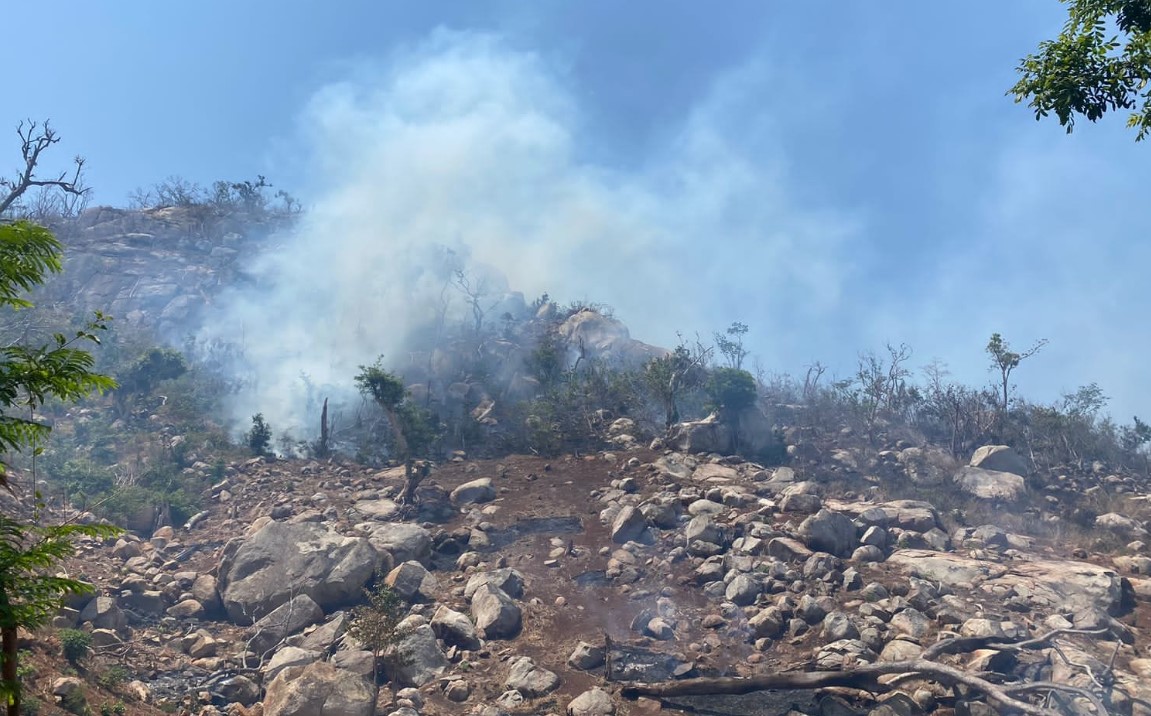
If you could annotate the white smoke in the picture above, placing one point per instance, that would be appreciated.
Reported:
(466, 144)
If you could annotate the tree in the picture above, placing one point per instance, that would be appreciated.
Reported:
(147, 372)
(1087, 70)
(30, 592)
(30, 375)
(413, 428)
(731, 345)
(259, 436)
(1005, 361)
(374, 624)
(670, 376)
(35, 138)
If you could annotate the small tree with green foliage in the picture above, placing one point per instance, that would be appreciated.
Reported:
(1004, 361)
(414, 430)
(730, 344)
(145, 373)
(259, 436)
(669, 377)
(374, 624)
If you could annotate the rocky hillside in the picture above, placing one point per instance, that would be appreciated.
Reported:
(535, 586)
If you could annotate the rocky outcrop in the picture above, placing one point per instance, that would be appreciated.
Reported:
(318, 688)
(282, 560)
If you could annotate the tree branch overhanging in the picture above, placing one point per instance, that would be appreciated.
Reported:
(35, 138)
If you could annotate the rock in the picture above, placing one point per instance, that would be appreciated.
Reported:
(382, 509)
(69, 694)
(828, 531)
(476, 491)
(318, 688)
(629, 525)
(404, 542)
(999, 458)
(495, 614)
(743, 590)
(103, 613)
(587, 656)
(900, 650)
(787, 549)
(991, 484)
(911, 622)
(507, 580)
(357, 661)
(457, 691)
(187, 609)
(283, 559)
(594, 702)
(240, 690)
(528, 679)
(1051, 584)
(417, 658)
(1121, 525)
(283, 621)
(205, 590)
(455, 629)
(411, 581)
(768, 623)
(287, 657)
(838, 625)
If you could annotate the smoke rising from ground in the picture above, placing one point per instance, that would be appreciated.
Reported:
(464, 145)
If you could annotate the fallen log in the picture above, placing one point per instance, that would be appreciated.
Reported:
(866, 677)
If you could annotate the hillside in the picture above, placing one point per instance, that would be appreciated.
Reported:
(584, 542)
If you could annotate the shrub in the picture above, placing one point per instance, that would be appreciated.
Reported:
(75, 644)
(260, 436)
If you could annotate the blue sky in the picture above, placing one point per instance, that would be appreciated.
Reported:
(837, 175)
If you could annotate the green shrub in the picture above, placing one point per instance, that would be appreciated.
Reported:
(75, 644)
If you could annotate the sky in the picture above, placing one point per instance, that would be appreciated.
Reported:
(836, 175)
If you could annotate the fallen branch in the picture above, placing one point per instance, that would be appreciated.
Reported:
(867, 677)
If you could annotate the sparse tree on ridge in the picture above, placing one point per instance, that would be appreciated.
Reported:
(1005, 361)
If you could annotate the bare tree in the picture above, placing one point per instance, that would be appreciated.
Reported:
(35, 138)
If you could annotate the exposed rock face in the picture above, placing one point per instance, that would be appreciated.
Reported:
(999, 458)
(712, 435)
(152, 266)
(285, 559)
(318, 688)
(1065, 585)
(288, 618)
(991, 484)
(606, 339)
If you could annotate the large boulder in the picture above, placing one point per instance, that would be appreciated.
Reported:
(999, 458)
(750, 433)
(480, 490)
(404, 542)
(495, 613)
(289, 618)
(991, 484)
(281, 560)
(1063, 585)
(828, 531)
(417, 658)
(318, 688)
(530, 680)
